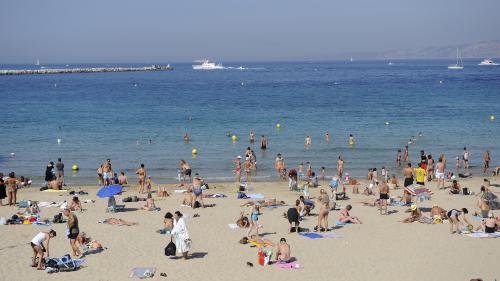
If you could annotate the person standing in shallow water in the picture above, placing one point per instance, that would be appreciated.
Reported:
(263, 142)
(60, 171)
(251, 137)
(398, 158)
(327, 137)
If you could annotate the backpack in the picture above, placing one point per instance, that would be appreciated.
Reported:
(58, 218)
(170, 249)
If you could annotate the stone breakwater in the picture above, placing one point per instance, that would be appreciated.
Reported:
(83, 70)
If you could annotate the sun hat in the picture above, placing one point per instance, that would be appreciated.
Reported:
(413, 207)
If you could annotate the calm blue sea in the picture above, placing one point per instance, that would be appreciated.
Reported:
(141, 117)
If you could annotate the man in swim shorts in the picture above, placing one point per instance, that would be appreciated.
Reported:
(263, 142)
(384, 196)
(107, 172)
(408, 173)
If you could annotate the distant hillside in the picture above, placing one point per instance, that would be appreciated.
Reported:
(490, 49)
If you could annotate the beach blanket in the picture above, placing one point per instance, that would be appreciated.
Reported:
(180, 190)
(55, 190)
(42, 223)
(48, 204)
(233, 226)
(337, 222)
(142, 272)
(311, 235)
(275, 206)
(256, 196)
(216, 195)
(288, 265)
(482, 235)
(416, 190)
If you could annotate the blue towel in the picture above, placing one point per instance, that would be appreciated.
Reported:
(337, 222)
(256, 196)
(311, 235)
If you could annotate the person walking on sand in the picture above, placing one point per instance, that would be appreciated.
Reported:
(141, 174)
(181, 235)
(107, 172)
(384, 197)
(73, 232)
(486, 159)
(60, 171)
(340, 167)
(40, 246)
(440, 174)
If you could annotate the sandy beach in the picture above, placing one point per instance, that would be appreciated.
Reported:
(380, 248)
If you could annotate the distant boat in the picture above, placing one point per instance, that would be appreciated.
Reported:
(390, 63)
(488, 62)
(457, 66)
(207, 65)
(37, 62)
(351, 59)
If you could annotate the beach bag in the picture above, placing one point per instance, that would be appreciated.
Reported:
(170, 249)
(465, 191)
(340, 196)
(241, 195)
(196, 204)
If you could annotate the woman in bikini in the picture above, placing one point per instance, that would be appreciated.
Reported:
(324, 201)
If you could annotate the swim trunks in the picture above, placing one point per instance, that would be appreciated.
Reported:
(384, 196)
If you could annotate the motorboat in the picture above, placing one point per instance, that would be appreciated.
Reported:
(488, 62)
(207, 65)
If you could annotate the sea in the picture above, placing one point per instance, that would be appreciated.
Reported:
(141, 117)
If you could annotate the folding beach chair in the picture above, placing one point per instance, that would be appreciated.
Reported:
(112, 207)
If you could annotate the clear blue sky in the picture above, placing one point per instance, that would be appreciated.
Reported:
(162, 30)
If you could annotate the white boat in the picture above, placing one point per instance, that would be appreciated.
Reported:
(351, 59)
(390, 63)
(457, 66)
(207, 65)
(37, 62)
(488, 62)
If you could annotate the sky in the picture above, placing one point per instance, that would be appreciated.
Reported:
(62, 31)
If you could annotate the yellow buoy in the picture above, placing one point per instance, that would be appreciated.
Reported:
(278, 125)
(194, 151)
(75, 167)
(233, 138)
(492, 117)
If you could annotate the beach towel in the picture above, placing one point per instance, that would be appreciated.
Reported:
(55, 190)
(275, 206)
(180, 190)
(311, 235)
(337, 222)
(41, 223)
(254, 243)
(483, 235)
(142, 272)
(288, 265)
(216, 195)
(49, 204)
(256, 196)
(233, 226)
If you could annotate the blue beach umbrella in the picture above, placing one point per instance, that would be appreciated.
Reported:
(108, 191)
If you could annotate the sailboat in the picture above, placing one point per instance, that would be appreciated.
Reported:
(457, 66)
(37, 62)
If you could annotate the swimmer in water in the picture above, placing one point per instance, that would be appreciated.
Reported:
(327, 137)
(351, 139)
(186, 138)
(308, 141)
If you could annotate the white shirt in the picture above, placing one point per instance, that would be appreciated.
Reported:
(38, 239)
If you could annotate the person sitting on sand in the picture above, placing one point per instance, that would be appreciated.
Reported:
(484, 207)
(188, 198)
(324, 201)
(150, 203)
(345, 216)
(55, 184)
(242, 221)
(75, 204)
(87, 241)
(455, 187)
(406, 199)
(162, 191)
(168, 224)
(438, 212)
(283, 251)
(456, 218)
(122, 179)
(490, 225)
(415, 214)
(293, 216)
(40, 245)
(114, 221)
(393, 182)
